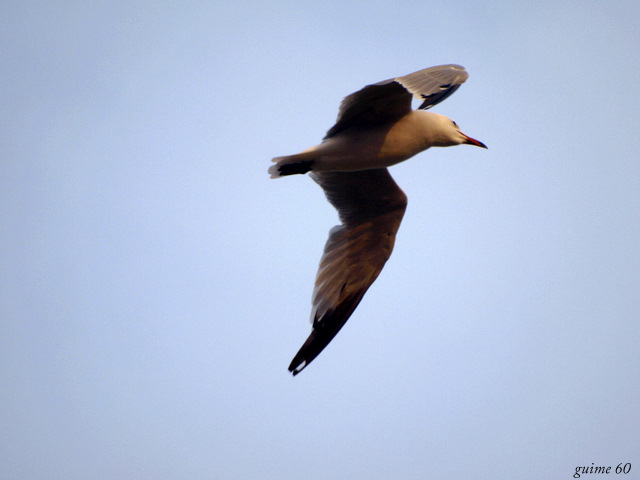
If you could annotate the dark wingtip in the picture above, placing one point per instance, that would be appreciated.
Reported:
(323, 332)
(318, 339)
(296, 368)
(437, 97)
(306, 354)
(315, 343)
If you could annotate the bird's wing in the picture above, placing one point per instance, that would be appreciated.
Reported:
(389, 100)
(370, 205)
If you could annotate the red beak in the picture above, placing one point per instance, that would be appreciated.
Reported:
(473, 141)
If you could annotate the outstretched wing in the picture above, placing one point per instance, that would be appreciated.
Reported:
(390, 100)
(371, 206)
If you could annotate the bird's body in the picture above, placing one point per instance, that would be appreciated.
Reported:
(378, 146)
(376, 128)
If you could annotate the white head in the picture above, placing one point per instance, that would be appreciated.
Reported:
(441, 131)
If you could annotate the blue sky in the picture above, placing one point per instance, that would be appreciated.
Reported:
(156, 283)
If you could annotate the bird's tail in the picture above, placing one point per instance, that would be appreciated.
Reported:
(292, 164)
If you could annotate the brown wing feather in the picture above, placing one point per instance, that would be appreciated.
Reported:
(389, 100)
(371, 206)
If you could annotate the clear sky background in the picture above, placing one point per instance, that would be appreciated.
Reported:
(155, 283)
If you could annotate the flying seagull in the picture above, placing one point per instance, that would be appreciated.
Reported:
(376, 128)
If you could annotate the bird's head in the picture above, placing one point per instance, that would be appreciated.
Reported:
(444, 132)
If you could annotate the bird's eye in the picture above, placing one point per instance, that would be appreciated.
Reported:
(454, 123)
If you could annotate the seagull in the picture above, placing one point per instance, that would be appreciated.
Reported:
(376, 128)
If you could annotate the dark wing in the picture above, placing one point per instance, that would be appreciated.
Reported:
(390, 100)
(370, 205)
